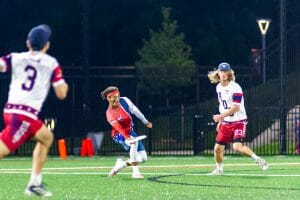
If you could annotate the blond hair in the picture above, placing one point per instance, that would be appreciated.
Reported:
(214, 77)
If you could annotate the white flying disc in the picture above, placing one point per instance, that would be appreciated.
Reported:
(136, 139)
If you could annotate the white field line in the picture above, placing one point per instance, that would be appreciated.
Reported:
(162, 174)
(143, 166)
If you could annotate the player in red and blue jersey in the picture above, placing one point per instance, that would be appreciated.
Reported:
(232, 119)
(32, 74)
(119, 115)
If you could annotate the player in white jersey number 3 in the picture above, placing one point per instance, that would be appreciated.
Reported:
(32, 73)
(232, 119)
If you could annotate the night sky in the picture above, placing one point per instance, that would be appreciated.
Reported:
(216, 30)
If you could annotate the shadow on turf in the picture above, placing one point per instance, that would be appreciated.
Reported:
(157, 180)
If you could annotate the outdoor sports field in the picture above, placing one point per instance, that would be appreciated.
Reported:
(182, 177)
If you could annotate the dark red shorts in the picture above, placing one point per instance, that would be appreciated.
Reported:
(230, 132)
(18, 129)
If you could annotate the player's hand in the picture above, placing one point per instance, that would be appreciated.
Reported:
(149, 125)
(217, 118)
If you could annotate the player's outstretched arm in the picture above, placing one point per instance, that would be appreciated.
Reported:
(134, 110)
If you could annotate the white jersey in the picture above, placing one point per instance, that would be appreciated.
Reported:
(31, 76)
(229, 95)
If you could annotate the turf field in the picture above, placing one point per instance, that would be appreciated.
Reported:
(165, 178)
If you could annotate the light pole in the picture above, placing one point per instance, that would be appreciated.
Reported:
(263, 25)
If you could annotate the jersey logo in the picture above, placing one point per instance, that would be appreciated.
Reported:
(21, 131)
(120, 118)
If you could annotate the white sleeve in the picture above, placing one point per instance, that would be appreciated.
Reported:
(134, 110)
(238, 89)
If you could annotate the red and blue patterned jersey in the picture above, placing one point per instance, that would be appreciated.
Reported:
(120, 118)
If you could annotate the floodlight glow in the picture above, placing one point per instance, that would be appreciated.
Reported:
(263, 25)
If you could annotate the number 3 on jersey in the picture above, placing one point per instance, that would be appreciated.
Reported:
(29, 83)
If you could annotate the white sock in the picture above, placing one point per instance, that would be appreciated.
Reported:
(35, 179)
(135, 169)
(254, 156)
(219, 166)
(133, 152)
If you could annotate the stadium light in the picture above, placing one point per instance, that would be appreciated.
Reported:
(263, 25)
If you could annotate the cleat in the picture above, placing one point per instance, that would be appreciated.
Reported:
(262, 164)
(216, 172)
(120, 164)
(137, 176)
(39, 190)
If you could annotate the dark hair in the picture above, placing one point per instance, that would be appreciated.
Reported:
(108, 90)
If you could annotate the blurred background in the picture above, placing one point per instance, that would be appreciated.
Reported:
(158, 52)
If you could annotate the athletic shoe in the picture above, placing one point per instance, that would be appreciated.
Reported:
(216, 172)
(137, 175)
(38, 191)
(120, 164)
(262, 164)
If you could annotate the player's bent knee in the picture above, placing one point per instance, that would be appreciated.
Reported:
(44, 136)
(237, 147)
(218, 150)
(50, 139)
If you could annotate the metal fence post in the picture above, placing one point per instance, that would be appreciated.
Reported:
(198, 134)
(150, 110)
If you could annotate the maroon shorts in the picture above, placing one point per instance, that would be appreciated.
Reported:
(228, 132)
(18, 129)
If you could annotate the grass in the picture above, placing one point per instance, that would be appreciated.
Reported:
(180, 177)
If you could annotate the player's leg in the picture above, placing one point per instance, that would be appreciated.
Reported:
(219, 158)
(134, 161)
(245, 150)
(120, 163)
(4, 151)
(224, 137)
(242, 149)
(142, 154)
(6, 137)
(137, 155)
(44, 139)
(239, 131)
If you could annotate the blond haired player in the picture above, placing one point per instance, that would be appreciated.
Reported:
(232, 119)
